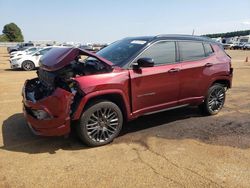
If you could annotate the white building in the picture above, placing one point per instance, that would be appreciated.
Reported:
(244, 39)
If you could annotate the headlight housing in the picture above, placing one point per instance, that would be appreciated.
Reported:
(16, 59)
(41, 114)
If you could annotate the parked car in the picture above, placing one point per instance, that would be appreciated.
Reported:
(227, 46)
(87, 47)
(20, 47)
(246, 46)
(20, 53)
(237, 46)
(127, 79)
(28, 61)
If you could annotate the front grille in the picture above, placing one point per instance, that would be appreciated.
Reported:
(47, 78)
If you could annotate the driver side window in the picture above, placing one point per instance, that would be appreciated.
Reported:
(161, 52)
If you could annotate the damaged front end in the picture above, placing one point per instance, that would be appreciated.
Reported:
(47, 113)
(51, 99)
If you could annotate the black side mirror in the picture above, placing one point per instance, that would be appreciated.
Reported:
(144, 62)
(37, 53)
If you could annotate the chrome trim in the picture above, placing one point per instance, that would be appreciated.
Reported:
(146, 94)
(166, 109)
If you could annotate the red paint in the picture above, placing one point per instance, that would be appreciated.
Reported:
(58, 106)
(142, 91)
(61, 57)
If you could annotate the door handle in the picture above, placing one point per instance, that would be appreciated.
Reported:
(209, 65)
(174, 70)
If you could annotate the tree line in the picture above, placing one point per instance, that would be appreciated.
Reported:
(229, 34)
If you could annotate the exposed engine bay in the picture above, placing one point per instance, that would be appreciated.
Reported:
(63, 76)
(47, 81)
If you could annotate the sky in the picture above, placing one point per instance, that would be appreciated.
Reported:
(109, 20)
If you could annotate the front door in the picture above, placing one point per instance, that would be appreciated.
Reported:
(155, 88)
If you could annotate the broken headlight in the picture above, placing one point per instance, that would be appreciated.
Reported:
(41, 114)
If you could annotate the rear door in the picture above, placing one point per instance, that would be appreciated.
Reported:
(196, 66)
(156, 88)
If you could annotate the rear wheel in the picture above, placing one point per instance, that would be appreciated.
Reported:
(100, 123)
(28, 65)
(214, 100)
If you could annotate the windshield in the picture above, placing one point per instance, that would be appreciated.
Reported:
(120, 51)
(30, 52)
(30, 49)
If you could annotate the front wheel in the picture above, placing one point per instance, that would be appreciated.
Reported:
(100, 123)
(28, 65)
(214, 100)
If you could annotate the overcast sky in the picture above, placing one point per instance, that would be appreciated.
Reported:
(109, 20)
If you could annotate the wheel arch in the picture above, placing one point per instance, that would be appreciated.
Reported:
(224, 82)
(29, 61)
(115, 96)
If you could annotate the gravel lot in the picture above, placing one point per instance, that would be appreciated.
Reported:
(179, 148)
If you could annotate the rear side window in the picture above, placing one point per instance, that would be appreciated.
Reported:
(208, 49)
(161, 52)
(191, 50)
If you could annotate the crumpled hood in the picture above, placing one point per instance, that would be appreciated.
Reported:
(59, 57)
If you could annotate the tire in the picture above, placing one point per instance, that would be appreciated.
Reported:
(100, 123)
(28, 65)
(214, 100)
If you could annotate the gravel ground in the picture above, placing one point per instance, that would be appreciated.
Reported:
(179, 148)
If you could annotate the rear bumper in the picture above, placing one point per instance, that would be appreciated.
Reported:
(57, 106)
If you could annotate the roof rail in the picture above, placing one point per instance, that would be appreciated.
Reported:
(188, 37)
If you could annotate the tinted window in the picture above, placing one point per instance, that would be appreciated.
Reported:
(28, 44)
(120, 51)
(161, 52)
(191, 50)
(208, 49)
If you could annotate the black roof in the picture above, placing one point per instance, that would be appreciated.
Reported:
(183, 37)
(172, 37)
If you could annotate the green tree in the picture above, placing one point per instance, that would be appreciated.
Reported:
(13, 32)
(229, 34)
(3, 38)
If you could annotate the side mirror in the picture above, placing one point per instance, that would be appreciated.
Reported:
(144, 62)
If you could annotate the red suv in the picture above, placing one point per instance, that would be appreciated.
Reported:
(127, 79)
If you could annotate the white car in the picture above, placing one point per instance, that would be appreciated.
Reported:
(246, 46)
(28, 61)
(27, 51)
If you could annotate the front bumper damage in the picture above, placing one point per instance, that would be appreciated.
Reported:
(50, 115)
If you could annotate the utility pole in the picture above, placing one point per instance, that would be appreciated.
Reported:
(193, 32)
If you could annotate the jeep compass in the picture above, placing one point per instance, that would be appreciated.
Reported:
(129, 78)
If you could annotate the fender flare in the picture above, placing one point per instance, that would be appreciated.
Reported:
(219, 78)
(95, 94)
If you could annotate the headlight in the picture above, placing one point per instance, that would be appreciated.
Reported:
(16, 59)
(41, 115)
